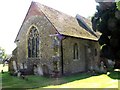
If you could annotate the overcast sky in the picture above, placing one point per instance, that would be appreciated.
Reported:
(12, 13)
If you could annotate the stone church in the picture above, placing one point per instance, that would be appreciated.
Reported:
(50, 42)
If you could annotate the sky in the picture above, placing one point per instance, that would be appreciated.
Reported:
(12, 14)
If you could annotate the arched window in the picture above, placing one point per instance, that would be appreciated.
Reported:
(75, 53)
(95, 52)
(33, 42)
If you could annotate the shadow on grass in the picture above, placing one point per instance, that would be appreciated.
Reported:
(34, 82)
(114, 75)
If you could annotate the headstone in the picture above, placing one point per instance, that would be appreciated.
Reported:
(39, 70)
(14, 66)
(25, 66)
(102, 68)
(21, 66)
(18, 74)
(35, 70)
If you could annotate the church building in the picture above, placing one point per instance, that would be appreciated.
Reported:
(50, 42)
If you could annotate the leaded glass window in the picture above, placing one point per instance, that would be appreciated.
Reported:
(75, 51)
(33, 42)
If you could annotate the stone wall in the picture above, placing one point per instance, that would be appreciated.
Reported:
(87, 59)
(12, 63)
(45, 30)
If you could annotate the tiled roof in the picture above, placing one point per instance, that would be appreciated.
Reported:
(64, 24)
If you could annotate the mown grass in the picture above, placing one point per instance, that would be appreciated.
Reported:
(82, 80)
(101, 81)
(33, 81)
(73, 81)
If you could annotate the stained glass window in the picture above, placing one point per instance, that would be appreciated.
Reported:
(33, 42)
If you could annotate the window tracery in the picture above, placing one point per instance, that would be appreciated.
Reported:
(33, 42)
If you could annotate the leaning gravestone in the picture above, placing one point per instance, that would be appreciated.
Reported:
(14, 66)
(102, 68)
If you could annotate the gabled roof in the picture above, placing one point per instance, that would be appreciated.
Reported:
(87, 24)
(64, 24)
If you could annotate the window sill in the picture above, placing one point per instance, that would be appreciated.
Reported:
(33, 58)
(76, 59)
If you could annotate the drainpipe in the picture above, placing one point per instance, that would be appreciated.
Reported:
(61, 46)
(62, 71)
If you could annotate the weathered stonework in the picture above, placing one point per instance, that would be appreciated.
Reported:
(56, 46)
(46, 51)
(87, 59)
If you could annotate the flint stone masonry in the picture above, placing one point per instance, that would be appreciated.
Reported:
(56, 47)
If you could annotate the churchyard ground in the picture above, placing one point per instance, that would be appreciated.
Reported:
(81, 80)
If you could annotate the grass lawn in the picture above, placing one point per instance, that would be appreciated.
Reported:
(74, 81)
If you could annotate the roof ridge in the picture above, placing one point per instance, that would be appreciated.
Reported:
(39, 4)
(65, 24)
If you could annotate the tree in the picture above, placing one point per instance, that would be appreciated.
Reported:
(118, 5)
(2, 54)
(107, 21)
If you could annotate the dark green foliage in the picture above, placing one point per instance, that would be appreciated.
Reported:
(118, 5)
(107, 52)
(115, 75)
(2, 54)
(107, 21)
(104, 40)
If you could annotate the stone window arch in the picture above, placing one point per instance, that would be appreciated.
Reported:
(75, 51)
(33, 42)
